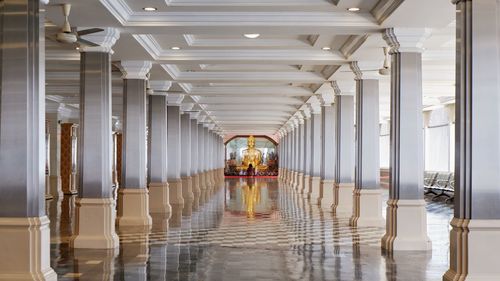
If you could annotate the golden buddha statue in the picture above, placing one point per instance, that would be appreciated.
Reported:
(251, 155)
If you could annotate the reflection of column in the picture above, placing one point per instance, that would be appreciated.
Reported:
(133, 198)
(24, 227)
(406, 214)
(195, 173)
(159, 205)
(187, 186)
(328, 148)
(367, 196)
(52, 116)
(174, 149)
(315, 143)
(476, 224)
(95, 214)
(344, 156)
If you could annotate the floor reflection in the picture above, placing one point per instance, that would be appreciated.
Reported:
(248, 229)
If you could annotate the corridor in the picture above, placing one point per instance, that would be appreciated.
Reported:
(249, 229)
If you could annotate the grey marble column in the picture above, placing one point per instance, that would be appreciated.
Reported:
(187, 185)
(344, 156)
(327, 188)
(195, 172)
(316, 151)
(174, 149)
(158, 157)
(24, 226)
(367, 210)
(95, 212)
(406, 215)
(210, 157)
(133, 196)
(476, 222)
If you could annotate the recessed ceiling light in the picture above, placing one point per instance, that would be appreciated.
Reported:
(78, 48)
(251, 35)
(149, 9)
(326, 48)
(353, 9)
(175, 48)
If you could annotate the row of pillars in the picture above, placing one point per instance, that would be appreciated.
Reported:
(322, 158)
(183, 156)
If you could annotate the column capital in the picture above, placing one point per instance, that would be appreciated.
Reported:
(359, 73)
(160, 87)
(174, 99)
(306, 111)
(135, 69)
(406, 40)
(344, 87)
(186, 107)
(314, 105)
(194, 115)
(299, 118)
(105, 40)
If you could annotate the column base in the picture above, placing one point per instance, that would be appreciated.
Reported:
(315, 186)
(306, 190)
(343, 199)
(222, 176)
(327, 194)
(471, 241)
(158, 198)
(55, 186)
(25, 244)
(175, 192)
(367, 210)
(406, 226)
(95, 224)
(187, 188)
(133, 207)
(300, 182)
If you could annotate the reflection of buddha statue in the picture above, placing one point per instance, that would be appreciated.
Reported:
(252, 156)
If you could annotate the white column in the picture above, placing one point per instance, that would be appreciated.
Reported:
(174, 149)
(300, 152)
(24, 226)
(195, 173)
(133, 196)
(406, 214)
(95, 207)
(327, 185)
(187, 184)
(201, 161)
(54, 177)
(307, 152)
(474, 242)
(159, 205)
(316, 150)
(344, 156)
(367, 196)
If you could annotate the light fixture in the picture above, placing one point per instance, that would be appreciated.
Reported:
(326, 48)
(149, 9)
(175, 48)
(78, 48)
(251, 35)
(353, 9)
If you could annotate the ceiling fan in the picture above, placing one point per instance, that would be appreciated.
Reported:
(69, 35)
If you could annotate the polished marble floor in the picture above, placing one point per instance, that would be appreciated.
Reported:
(248, 229)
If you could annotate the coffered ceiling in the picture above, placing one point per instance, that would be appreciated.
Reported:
(252, 86)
